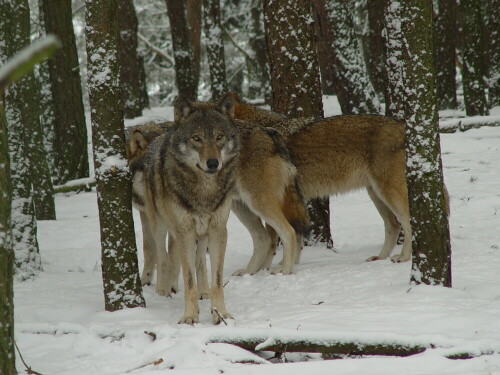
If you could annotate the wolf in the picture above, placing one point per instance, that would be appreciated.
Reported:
(339, 154)
(184, 182)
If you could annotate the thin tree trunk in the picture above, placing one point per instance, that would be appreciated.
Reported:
(193, 17)
(324, 45)
(185, 69)
(132, 74)
(375, 50)
(446, 31)
(431, 257)
(257, 63)
(493, 51)
(122, 287)
(215, 48)
(354, 90)
(473, 50)
(15, 31)
(8, 362)
(70, 145)
(295, 82)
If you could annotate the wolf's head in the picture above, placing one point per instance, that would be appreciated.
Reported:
(205, 136)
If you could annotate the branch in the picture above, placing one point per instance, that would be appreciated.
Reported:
(28, 368)
(155, 49)
(83, 184)
(22, 63)
(233, 42)
(464, 124)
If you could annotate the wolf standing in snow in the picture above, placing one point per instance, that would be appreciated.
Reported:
(185, 184)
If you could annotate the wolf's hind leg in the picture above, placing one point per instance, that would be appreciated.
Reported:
(149, 250)
(391, 225)
(260, 238)
(201, 268)
(160, 234)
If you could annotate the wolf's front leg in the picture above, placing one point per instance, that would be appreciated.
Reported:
(184, 244)
(173, 267)
(217, 240)
(201, 268)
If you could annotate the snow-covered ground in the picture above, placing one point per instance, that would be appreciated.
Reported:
(62, 328)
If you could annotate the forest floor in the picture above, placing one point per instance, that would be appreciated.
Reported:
(61, 327)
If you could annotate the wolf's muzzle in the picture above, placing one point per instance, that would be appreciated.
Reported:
(212, 165)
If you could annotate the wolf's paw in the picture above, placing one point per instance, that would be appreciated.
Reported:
(400, 258)
(204, 295)
(220, 316)
(146, 278)
(240, 272)
(373, 258)
(164, 291)
(280, 269)
(187, 319)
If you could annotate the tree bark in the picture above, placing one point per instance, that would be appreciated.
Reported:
(185, 69)
(257, 63)
(193, 16)
(215, 48)
(132, 74)
(324, 45)
(70, 144)
(375, 47)
(473, 50)
(446, 31)
(354, 90)
(295, 83)
(15, 31)
(122, 287)
(7, 353)
(431, 256)
(493, 51)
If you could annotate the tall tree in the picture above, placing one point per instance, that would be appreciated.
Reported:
(122, 287)
(295, 83)
(132, 74)
(70, 143)
(193, 17)
(375, 48)
(215, 48)
(15, 30)
(8, 363)
(431, 257)
(473, 51)
(352, 84)
(493, 51)
(257, 62)
(185, 69)
(446, 31)
(324, 45)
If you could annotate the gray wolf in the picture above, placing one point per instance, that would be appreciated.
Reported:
(184, 181)
(339, 154)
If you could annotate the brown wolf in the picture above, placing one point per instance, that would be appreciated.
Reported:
(343, 153)
(184, 183)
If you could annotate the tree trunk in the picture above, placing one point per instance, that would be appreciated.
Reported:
(446, 31)
(354, 90)
(295, 83)
(47, 106)
(493, 51)
(395, 91)
(431, 255)
(324, 45)
(120, 272)
(185, 69)
(193, 16)
(70, 145)
(7, 353)
(15, 31)
(132, 74)
(257, 63)
(215, 48)
(375, 47)
(473, 50)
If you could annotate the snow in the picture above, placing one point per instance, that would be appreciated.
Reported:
(61, 326)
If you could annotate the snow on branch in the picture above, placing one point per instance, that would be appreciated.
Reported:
(467, 123)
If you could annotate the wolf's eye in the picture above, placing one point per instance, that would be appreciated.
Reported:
(196, 138)
(220, 136)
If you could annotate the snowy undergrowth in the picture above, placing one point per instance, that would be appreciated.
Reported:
(62, 328)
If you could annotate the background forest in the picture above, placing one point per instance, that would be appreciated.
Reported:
(123, 62)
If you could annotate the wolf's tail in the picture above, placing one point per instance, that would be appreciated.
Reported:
(295, 210)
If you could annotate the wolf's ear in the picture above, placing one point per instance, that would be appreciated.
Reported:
(138, 143)
(226, 105)
(182, 108)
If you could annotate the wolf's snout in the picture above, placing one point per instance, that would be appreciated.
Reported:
(212, 165)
